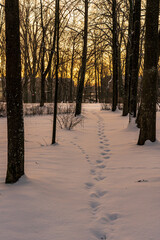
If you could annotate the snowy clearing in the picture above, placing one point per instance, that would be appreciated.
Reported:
(96, 183)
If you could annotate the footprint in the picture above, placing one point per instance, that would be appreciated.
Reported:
(89, 185)
(107, 150)
(98, 194)
(113, 216)
(92, 171)
(101, 166)
(101, 147)
(106, 144)
(94, 195)
(99, 234)
(100, 178)
(99, 161)
(104, 220)
(101, 193)
(94, 205)
(103, 154)
(106, 157)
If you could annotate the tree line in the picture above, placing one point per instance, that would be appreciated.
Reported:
(83, 41)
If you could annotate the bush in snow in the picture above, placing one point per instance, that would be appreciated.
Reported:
(66, 116)
(66, 108)
(105, 106)
(68, 121)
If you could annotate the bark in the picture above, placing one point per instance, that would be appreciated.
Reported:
(43, 96)
(127, 66)
(33, 88)
(57, 70)
(95, 70)
(50, 88)
(71, 78)
(149, 81)
(135, 57)
(115, 56)
(26, 27)
(44, 71)
(80, 86)
(15, 168)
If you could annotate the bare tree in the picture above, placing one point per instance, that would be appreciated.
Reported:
(135, 58)
(115, 56)
(149, 81)
(15, 168)
(57, 70)
(80, 86)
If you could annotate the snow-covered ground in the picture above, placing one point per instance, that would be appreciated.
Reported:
(96, 183)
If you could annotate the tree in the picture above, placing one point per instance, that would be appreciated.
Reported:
(57, 69)
(44, 71)
(15, 168)
(149, 82)
(115, 56)
(24, 25)
(135, 58)
(80, 86)
(2, 50)
(127, 63)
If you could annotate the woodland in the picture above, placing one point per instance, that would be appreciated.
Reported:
(82, 43)
(91, 67)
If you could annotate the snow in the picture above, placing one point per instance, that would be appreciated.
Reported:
(95, 183)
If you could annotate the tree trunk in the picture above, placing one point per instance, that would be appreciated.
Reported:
(71, 78)
(15, 168)
(50, 88)
(149, 81)
(115, 56)
(127, 66)
(33, 89)
(44, 71)
(57, 70)
(80, 86)
(135, 58)
(95, 70)
(43, 96)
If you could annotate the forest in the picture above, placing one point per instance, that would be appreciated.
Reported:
(91, 67)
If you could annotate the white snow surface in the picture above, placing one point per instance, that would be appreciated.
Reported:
(95, 183)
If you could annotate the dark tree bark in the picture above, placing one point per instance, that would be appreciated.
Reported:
(149, 81)
(25, 85)
(159, 43)
(115, 56)
(71, 80)
(43, 96)
(15, 168)
(95, 69)
(135, 57)
(44, 71)
(80, 86)
(57, 70)
(50, 88)
(127, 65)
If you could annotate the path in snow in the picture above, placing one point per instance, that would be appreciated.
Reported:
(95, 184)
(97, 161)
